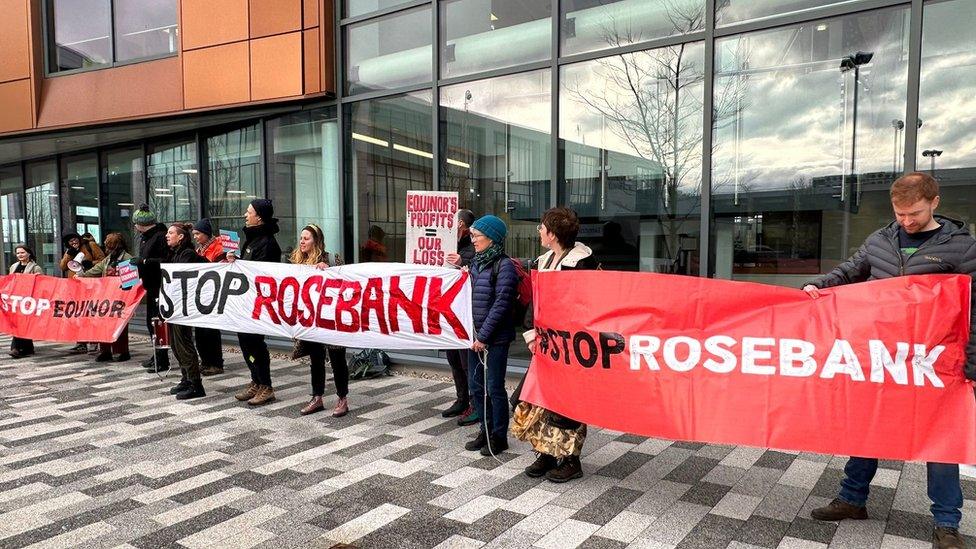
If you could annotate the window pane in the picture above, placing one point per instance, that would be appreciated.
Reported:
(590, 25)
(43, 225)
(389, 152)
(390, 52)
(791, 113)
(145, 28)
(480, 35)
(79, 193)
(12, 212)
(174, 184)
(738, 11)
(123, 192)
(352, 8)
(80, 32)
(496, 152)
(234, 164)
(630, 134)
(304, 176)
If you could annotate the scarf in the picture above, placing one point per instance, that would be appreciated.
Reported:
(489, 255)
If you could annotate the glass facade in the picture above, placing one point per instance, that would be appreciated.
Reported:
(79, 191)
(234, 175)
(174, 181)
(389, 52)
(480, 35)
(592, 25)
(43, 225)
(11, 213)
(123, 189)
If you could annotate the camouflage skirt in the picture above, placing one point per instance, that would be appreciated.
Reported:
(533, 424)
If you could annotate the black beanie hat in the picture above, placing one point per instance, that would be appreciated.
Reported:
(264, 209)
(204, 226)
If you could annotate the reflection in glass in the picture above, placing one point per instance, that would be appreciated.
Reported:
(590, 25)
(738, 11)
(145, 28)
(792, 104)
(480, 35)
(353, 8)
(79, 191)
(630, 134)
(43, 224)
(304, 176)
(124, 190)
(389, 52)
(11, 213)
(388, 152)
(496, 152)
(234, 164)
(80, 32)
(174, 184)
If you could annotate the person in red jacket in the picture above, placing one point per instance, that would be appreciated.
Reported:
(209, 345)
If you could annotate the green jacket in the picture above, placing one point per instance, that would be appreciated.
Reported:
(100, 269)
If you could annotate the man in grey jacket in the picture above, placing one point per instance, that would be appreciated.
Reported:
(917, 242)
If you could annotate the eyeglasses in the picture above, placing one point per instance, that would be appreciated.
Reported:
(539, 227)
(475, 236)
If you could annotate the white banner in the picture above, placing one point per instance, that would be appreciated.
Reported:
(431, 226)
(381, 305)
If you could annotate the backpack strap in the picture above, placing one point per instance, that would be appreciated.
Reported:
(495, 267)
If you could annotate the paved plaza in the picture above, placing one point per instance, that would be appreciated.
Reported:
(100, 455)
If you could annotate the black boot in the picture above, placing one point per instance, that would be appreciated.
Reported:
(183, 385)
(568, 469)
(456, 409)
(122, 357)
(104, 356)
(542, 465)
(478, 443)
(195, 390)
(495, 445)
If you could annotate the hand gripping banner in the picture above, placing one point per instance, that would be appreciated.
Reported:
(871, 370)
(384, 305)
(46, 308)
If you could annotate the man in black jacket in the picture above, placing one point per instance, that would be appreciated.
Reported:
(917, 242)
(259, 245)
(152, 245)
(456, 358)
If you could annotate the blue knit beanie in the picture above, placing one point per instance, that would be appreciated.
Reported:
(492, 227)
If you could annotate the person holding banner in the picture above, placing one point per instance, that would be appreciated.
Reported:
(26, 264)
(494, 283)
(152, 246)
(79, 255)
(117, 253)
(259, 245)
(917, 242)
(458, 358)
(209, 345)
(557, 439)
(311, 251)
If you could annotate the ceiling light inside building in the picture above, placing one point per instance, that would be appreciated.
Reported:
(411, 150)
(236, 192)
(190, 170)
(458, 163)
(822, 27)
(368, 139)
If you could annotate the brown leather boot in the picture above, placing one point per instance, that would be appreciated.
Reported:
(248, 393)
(341, 407)
(264, 395)
(314, 405)
(839, 510)
(947, 538)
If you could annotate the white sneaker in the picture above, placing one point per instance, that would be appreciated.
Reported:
(968, 470)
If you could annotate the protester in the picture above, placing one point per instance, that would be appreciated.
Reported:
(917, 242)
(259, 245)
(457, 358)
(117, 253)
(557, 439)
(179, 243)
(493, 292)
(26, 264)
(74, 244)
(152, 245)
(209, 344)
(373, 249)
(311, 251)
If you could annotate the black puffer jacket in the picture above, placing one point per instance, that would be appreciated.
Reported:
(951, 250)
(152, 245)
(260, 244)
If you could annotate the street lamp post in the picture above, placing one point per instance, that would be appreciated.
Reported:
(931, 154)
(854, 62)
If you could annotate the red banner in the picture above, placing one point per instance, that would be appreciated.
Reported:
(872, 369)
(45, 308)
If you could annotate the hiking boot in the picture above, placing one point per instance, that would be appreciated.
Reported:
(124, 357)
(341, 407)
(248, 393)
(839, 510)
(149, 363)
(478, 443)
(211, 370)
(495, 446)
(19, 354)
(456, 409)
(195, 390)
(314, 405)
(183, 385)
(264, 395)
(568, 469)
(947, 538)
(542, 465)
(104, 357)
(79, 349)
(469, 417)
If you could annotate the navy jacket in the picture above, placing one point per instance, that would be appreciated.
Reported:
(492, 307)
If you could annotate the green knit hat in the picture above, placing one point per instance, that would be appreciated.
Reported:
(143, 216)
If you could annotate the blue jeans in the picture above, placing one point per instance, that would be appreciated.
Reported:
(497, 412)
(944, 488)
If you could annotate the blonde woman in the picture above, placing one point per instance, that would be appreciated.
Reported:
(311, 251)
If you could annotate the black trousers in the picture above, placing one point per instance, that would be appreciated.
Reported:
(22, 345)
(181, 339)
(257, 357)
(152, 311)
(209, 346)
(340, 370)
(458, 359)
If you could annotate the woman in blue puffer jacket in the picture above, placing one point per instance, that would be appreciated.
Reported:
(494, 284)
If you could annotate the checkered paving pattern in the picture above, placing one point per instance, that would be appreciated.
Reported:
(100, 455)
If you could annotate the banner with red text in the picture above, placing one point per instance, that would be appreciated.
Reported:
(383, 305)
(872, 369)
(45, 308)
